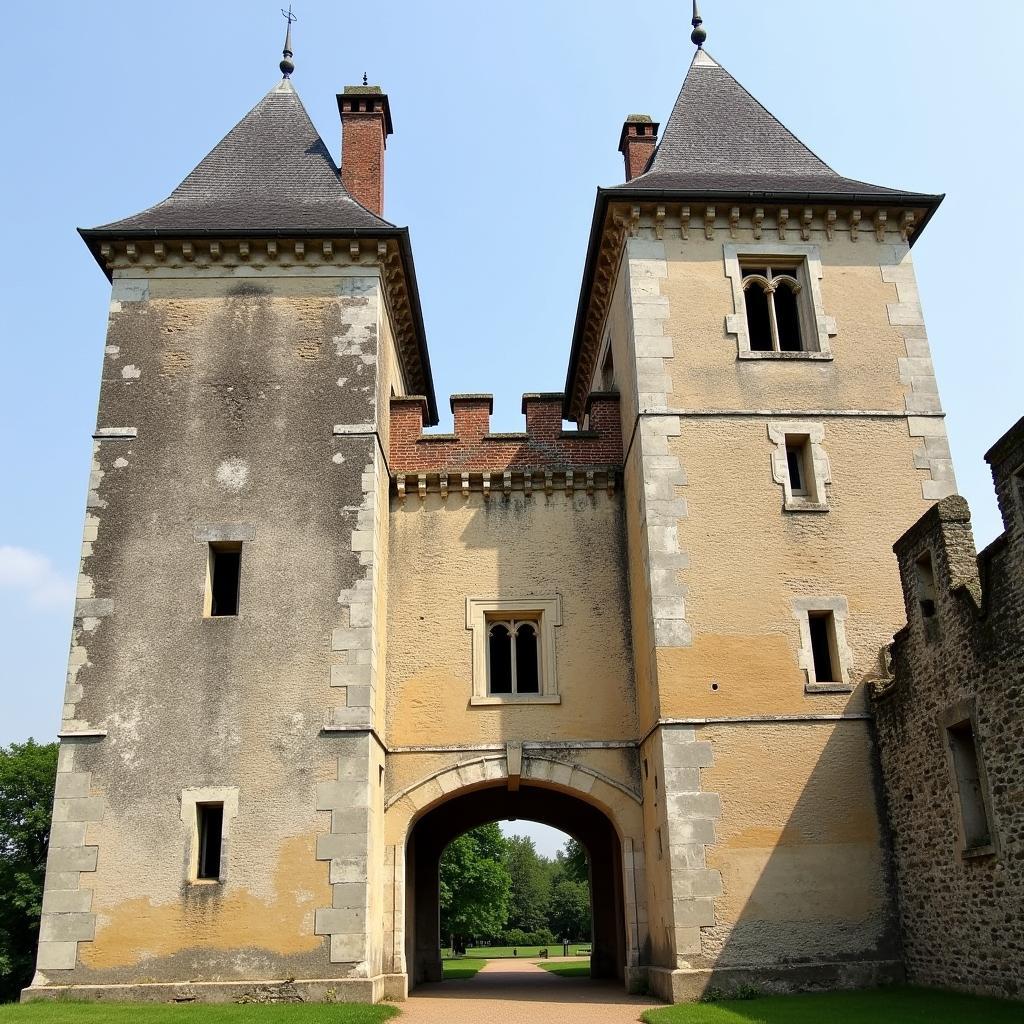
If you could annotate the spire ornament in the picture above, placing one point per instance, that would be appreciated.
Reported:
(287, 65)
(698, 35)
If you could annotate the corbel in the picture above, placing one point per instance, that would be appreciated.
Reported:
(907, 225)
(160, 250)
(382, 251)
(854, 224)
(805, 223)
(243, 250)
(506, 481)
(485, 483)
(548, 481)
(400, 486)
(272, 250)
(528, 482)
(215, 252)
(421, 486)
(880, 219)
(353, 251)
(684, 223)
(328, 249)
(709, 223)
(569, 481)
(464, 484)
(830, 224)
(609, 482)
(659, 222)
(634, 220)
(734, 221)
(131, 250)
(188, 251)
(758, 219)
(107, 251)
(442, 483)
(590, 481)
(783, 220)
(300, 250)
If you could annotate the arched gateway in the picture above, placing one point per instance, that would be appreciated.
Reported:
(603, 815)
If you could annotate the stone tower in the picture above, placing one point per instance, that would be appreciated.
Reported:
(313, 643)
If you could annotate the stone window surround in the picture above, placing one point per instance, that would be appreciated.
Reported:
(967, 711)
(548, 613)
(840, 610)
(818, 326)
(190, 799)
(820, 465)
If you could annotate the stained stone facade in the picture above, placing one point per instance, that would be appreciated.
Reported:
(703, 634)
(960, 658)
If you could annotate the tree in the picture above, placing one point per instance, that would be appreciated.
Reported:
(27, 774)
(475, 885)
(531, 885)
(572, 859)
(569, 909)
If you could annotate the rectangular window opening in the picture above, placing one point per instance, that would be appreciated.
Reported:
(823, 646)
(223, 572)
(973, 813)
(513, 656)
(925, 585)
(210, 823)
(774, 299)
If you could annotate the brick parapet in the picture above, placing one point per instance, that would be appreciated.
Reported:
(474, 448)
(955, 906)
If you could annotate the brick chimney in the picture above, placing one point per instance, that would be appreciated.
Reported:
(365, 127)
(636, 143)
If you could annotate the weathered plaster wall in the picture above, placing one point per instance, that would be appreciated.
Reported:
(962, 911)
(232, 387)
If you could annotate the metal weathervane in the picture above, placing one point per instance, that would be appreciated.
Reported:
(287, 65)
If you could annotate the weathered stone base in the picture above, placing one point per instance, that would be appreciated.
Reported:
(689, 986)
(396, 987)
(306, 990)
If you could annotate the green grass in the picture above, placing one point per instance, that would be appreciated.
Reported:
(878, 1006)
(463, 967)
(568, 968)
(499, 952)
(191, 1013)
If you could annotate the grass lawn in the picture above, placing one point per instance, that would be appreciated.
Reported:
(567, 968)
(191, 1013)
(877, 1006)
(499, 952)
(464, 967)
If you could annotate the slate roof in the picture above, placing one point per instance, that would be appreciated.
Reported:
(271, 172)
(720, 139)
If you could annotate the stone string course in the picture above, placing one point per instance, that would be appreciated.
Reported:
(962, 916)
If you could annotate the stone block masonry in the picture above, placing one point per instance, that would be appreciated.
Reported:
(958, 661)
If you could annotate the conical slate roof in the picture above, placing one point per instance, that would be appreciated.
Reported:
(271, 172)
(720, 139)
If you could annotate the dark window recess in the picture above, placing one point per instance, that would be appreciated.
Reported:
(527, 676)
(787, 318)
(925, 585)
(499, 642)
(794, 459)
(968, 783)
(225, 567)
(211, 831)
(821, 647)
(758, 318)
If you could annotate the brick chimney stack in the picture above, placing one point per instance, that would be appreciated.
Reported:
(636, 143)
(365, 127)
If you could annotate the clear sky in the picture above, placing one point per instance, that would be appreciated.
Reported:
(507, 117)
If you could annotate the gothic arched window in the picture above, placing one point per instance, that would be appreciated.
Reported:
(513, 657)
(771, 297)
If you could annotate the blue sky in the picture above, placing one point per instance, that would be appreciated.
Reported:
(506, 118)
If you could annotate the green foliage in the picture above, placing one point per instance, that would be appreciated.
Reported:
(27, 773)
(876, 1006)
(569, 908)
(173, 1013)
(531, 885)
(475, 885)
(517, 937)
(571, 861)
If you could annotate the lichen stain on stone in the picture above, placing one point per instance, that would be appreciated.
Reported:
(120, 462)
(173, 362)
(233, 474)
(220, 917)
(247, 289)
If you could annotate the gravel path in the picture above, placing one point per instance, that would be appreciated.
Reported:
(520, 992)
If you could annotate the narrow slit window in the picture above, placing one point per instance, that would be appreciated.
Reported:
(499, 658)
(925, 585)
(210, 825)
(823, 646)
(966, 767)
(527, 674)
(795, 462)
(224, 571)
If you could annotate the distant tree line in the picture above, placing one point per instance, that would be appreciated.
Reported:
(497, 890)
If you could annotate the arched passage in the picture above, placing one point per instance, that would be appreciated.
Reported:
(438, 826)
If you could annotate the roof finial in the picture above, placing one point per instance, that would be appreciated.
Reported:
(287, 66)
(698, 35)
(364, 78)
